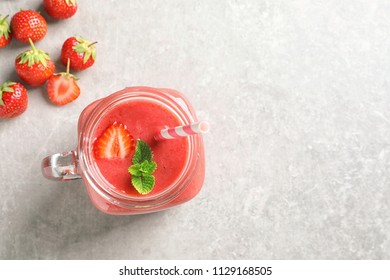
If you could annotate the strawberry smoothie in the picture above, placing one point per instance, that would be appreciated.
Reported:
(111, 126)
(143, 120)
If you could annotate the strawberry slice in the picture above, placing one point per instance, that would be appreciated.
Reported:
(115, 142)
(62, 88)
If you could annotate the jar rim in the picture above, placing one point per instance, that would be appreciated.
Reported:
(91, 173)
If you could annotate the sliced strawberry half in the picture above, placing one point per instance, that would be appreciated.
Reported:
(115, 142)
(62, 88)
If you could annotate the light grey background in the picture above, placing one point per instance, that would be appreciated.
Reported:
(298, 158)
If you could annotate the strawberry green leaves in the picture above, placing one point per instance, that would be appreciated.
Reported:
(70, 2)
(85, 47)
(4, 27)
(34, 56)
(143, 168)
(6, 87)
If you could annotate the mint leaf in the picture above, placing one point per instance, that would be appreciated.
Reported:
(142, 169)
(143, 184)
(148, 167)
(142, 152)
(135, 170)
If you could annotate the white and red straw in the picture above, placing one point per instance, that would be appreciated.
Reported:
(183, 131)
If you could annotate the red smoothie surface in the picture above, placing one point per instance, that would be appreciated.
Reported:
(143, 120)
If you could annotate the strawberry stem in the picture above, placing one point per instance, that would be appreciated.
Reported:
(68, 66)
(90, 45)
(32, 45)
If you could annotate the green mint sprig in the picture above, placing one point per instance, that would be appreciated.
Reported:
(143, 168)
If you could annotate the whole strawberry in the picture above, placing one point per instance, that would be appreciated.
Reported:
(81, 52)
(5, 32)
(60, 9)
(27, 24)
(34, 66)
(13, 100)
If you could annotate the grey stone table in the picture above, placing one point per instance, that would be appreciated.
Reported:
(298, 157)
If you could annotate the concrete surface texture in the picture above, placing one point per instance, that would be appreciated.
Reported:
(297, 94)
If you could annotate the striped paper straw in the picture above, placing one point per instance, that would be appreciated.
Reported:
(183, 131)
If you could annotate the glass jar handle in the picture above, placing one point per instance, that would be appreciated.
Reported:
(61, 166)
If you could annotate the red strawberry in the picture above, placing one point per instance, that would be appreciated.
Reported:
(115, 142)
(82, 53)
(13, 100)
(60, 9)
(27, 24)
(34, 66)
(62, 88)
(5, 32)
